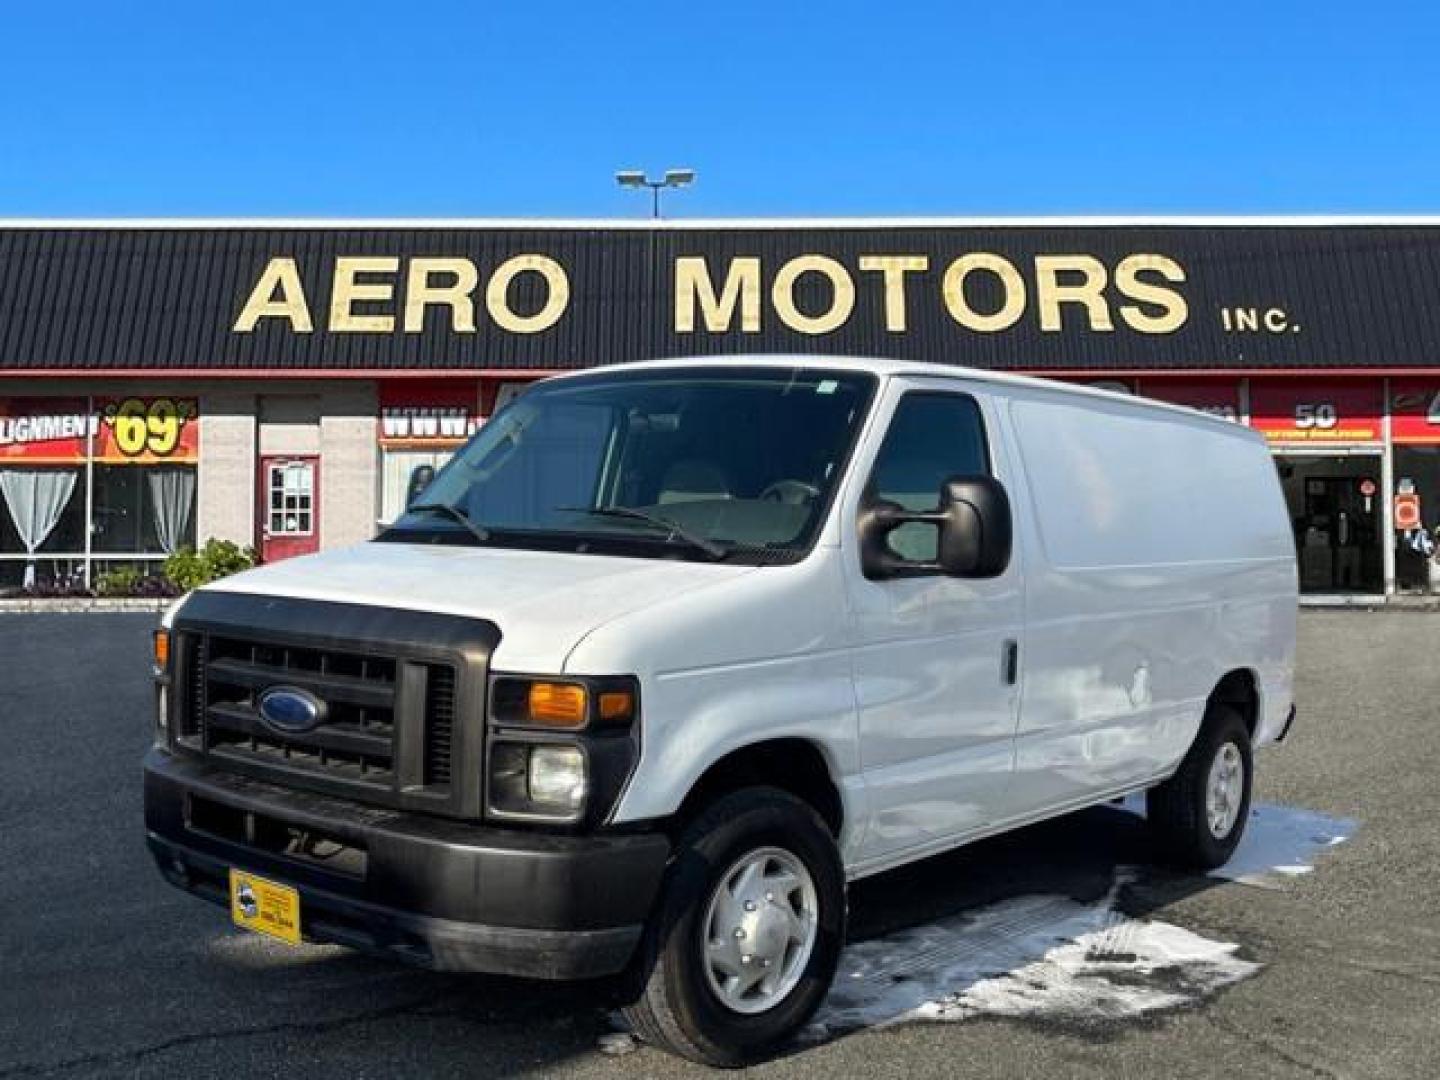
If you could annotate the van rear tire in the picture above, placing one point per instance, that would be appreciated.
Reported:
(735, 864)
(1198, 816)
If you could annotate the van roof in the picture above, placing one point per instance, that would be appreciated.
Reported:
(890, 368)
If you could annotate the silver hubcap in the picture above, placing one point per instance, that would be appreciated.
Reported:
(1225, 791)
(760, 928)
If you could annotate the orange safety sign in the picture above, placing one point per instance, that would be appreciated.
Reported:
(1407, 511)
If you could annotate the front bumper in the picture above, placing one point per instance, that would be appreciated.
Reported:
(430, 891)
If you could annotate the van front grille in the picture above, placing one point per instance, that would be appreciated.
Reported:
(355, 742)
(388, 692)
(439, 722)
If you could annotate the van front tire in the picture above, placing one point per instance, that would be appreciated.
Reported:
(757, 886)
(1198, 816)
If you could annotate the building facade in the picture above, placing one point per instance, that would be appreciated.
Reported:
(285, 384)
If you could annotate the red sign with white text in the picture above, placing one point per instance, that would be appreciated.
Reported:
(1218, 397)
(1301, 411)
(120, 431)
(45, 431)
(423, 414)
(1415, 410)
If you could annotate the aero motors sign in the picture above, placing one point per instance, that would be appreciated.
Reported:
(810, 293)
(114, 431)
(1317, 412)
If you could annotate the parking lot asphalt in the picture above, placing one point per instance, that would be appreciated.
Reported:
(106, 971)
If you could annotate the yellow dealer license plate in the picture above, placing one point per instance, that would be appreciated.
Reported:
(267, 907)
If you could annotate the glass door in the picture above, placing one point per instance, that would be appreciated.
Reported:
(1334, 504)
(289, 511)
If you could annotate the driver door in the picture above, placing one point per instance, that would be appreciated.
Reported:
(935, 658)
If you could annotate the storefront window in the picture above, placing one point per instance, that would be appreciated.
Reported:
(44, 516)
(1417, 476)
(82, 478)
(422, 423)
(404, 473)
(144, 509)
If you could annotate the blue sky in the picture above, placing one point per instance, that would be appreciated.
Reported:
(361, 108)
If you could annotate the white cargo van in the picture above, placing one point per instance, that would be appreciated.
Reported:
(670, 652)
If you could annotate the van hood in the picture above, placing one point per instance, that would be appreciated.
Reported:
(543, 602)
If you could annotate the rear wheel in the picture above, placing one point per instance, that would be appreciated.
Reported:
(1199, 814)
(748, 931)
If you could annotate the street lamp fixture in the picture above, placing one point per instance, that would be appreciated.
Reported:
(673, 178)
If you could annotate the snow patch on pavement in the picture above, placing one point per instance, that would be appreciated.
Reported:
(1279, 842)
(1283, 840)
(1059, 958)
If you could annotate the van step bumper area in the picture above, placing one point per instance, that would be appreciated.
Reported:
(429, 891)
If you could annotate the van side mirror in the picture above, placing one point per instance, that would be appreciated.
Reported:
(974, 525)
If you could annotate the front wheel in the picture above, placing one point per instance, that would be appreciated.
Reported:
(748, 931)
(1199, 814)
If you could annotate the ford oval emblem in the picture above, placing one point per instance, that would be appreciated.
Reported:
(291, 711)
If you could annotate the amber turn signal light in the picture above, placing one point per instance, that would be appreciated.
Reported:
(557, 704)
(162, 651)
(617, 705)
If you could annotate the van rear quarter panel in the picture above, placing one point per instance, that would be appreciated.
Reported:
(1159, 558)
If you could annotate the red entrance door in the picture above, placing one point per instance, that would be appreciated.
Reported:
(289, 511)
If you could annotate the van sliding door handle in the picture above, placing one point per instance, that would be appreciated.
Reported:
(1010, 661)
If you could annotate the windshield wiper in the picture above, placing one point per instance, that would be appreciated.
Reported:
(713, 548)
(455, 514)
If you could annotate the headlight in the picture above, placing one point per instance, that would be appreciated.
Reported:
(557, 778)
(538, 781)
(560, 749)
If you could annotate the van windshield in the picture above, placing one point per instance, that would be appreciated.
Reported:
(707, 463)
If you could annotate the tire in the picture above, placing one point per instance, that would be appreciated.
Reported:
(682, 1007)
(1180, 810)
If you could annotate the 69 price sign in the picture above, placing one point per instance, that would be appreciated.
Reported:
(135, 429)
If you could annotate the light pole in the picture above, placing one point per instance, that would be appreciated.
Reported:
(673, 178)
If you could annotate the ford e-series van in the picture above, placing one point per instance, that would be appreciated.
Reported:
(671, 652)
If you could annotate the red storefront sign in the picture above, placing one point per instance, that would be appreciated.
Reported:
(1415, 410)
(1218, 397)
(1304, 411)
(423, 414)
(132, 430)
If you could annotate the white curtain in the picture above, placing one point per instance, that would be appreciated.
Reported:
(36, 498)
(172, 494)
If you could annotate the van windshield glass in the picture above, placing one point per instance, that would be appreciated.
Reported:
(706, 463)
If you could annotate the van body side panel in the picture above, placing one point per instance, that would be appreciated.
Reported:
(734, 666)
(1161, 559)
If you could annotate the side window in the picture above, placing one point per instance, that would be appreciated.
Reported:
(932, 437)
